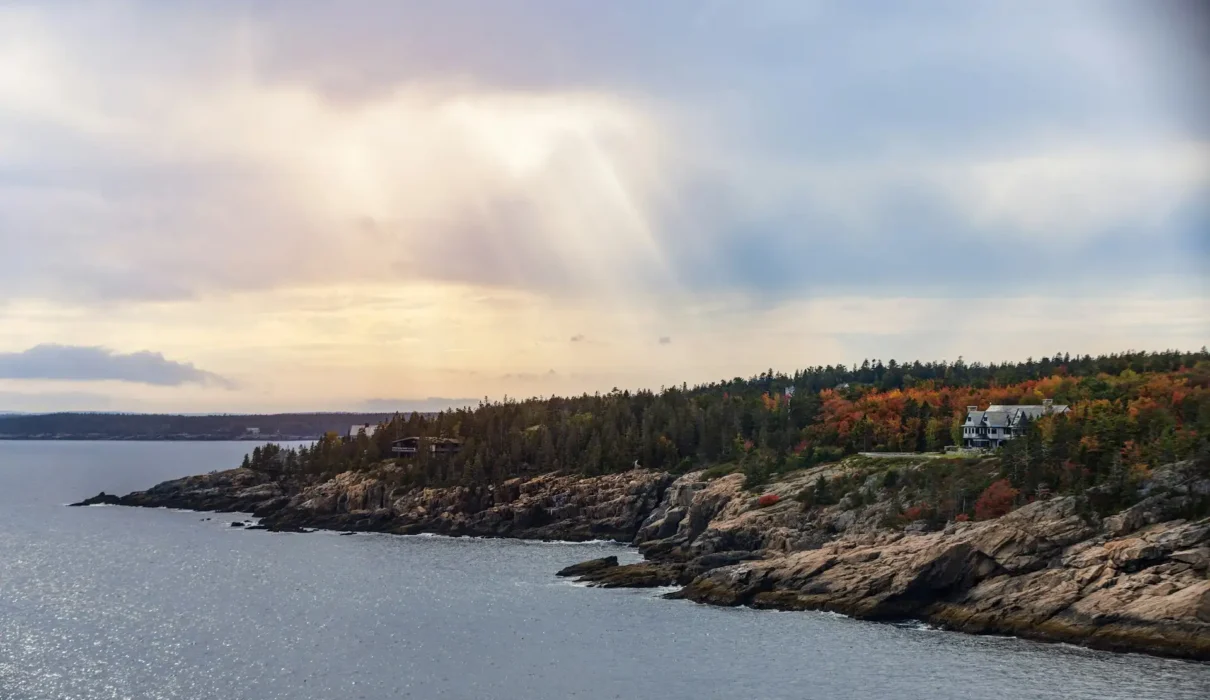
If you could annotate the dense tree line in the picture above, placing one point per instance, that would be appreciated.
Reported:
(1129, 413)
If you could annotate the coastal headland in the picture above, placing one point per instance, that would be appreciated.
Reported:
(831, 537)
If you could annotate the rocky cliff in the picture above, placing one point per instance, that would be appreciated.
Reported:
(1137, 580)
(1051, 570)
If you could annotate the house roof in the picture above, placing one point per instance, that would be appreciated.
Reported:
(996, 419)
(1032, 410)
(1001, 416)
(368, 429)
(441, 440)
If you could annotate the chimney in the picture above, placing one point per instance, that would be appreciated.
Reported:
(972, 409)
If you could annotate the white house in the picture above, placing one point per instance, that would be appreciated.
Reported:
(998, 424)
(368, 429)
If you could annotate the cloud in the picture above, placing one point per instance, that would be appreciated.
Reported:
(335, 356)
(78, 363)
(230, 179)
(421, 198)
(531, 376)
(264, 159)
(432, 403)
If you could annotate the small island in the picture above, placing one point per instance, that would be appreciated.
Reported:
(863, 491)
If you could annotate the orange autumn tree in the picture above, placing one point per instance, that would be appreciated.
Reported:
(921, 416)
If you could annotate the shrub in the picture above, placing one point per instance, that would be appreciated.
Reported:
(718, 470)
(684, 467)
(767, 500)
(961, 518)
(756, 473)
(828, 454)
(996, 500)
(823, 494)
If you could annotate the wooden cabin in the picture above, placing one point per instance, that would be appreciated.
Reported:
(410, 446)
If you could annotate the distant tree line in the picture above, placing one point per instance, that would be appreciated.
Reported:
(133, 426)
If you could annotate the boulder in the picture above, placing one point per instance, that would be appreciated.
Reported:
(643, 575)
(728, 585)
(709, 562)
(1198, 559)
(1135, 554)
(587, 567)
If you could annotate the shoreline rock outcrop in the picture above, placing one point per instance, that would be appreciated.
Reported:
(1054, 570)
(101, 499)
(1051, 570)
(591, 566)
(544, 507)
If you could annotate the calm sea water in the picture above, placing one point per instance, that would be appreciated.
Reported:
(110, 602)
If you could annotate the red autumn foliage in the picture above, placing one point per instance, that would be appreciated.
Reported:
(996, 500)
(961, 518)
(898, 419)
(767, 500)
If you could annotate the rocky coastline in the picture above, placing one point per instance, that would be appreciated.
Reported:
(544, 507)
(1137, 580)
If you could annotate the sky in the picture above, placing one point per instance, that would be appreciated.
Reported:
(391, 205)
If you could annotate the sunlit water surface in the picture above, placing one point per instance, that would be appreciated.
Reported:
(110, 602)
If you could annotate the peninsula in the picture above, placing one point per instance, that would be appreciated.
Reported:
(831, 489)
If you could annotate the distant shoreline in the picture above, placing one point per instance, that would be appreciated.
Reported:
(278, 427)
(158, 438)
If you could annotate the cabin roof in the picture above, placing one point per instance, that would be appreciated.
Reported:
(438, 440)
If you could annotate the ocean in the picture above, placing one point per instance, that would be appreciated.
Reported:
(111, 602)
